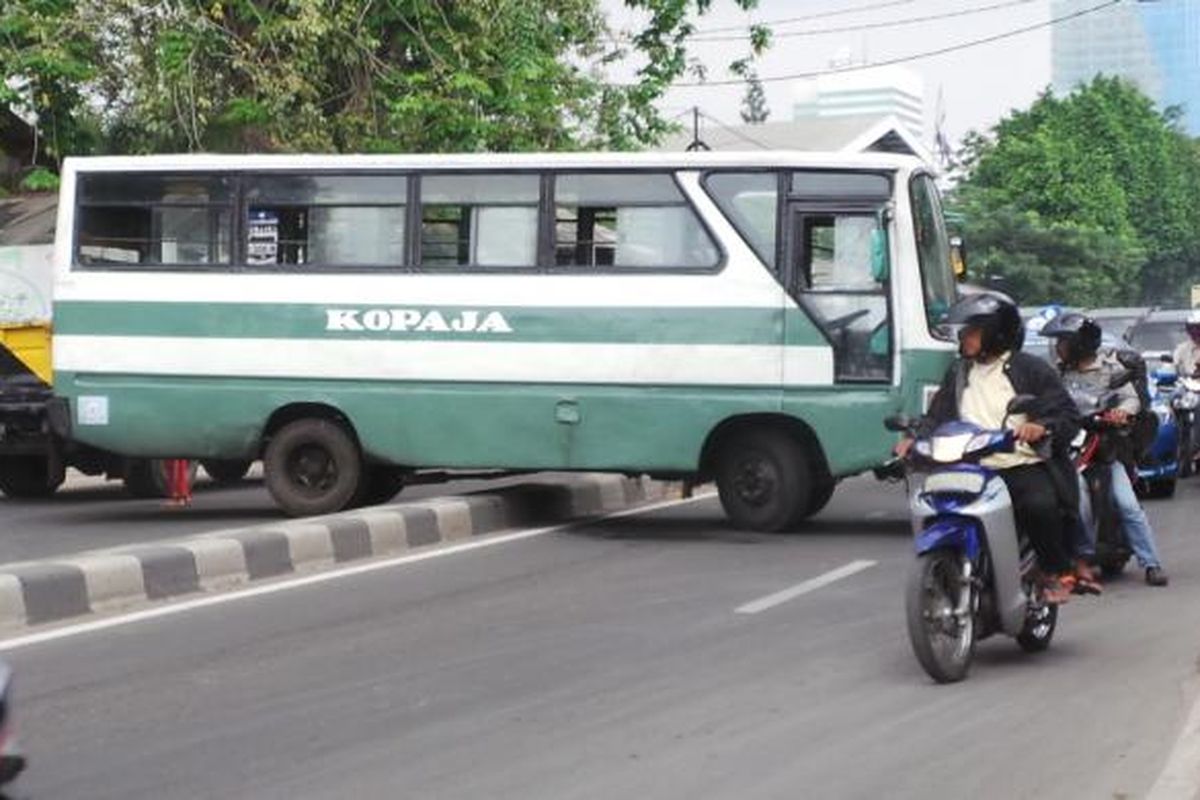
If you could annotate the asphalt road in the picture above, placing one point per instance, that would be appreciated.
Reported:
(608, 661)
(89, 514)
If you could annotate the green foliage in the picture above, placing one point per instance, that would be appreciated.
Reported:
(754, 103)
(357, 75)
(39, 179)
(47, 57)
(1091, 199)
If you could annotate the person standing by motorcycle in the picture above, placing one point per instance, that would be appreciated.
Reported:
(1187, 354)
(977, 388)
(1077, 341)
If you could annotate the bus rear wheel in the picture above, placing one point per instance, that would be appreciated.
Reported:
(764, 480)
(312, 466)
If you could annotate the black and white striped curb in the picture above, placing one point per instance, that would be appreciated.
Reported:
(37, 592)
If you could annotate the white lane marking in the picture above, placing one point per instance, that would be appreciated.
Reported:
(1180, 778)
(812, 584)
(324, 577)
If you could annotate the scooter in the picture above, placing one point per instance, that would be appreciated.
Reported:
(1093, 451)
(975, 573)
(1186, 402)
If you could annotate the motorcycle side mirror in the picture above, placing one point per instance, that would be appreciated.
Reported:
(1021, 404)
(898, 423)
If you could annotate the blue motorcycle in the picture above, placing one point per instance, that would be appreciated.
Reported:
(1160, 465)
(975, 573)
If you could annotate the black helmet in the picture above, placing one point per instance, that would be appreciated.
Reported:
(996, 315)
(1080, 332)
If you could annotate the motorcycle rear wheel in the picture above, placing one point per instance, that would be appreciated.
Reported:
(943, 644)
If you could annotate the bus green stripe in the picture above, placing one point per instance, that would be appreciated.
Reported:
(528, 324)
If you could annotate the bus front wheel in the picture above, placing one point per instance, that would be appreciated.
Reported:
(312, 466)
(764, 480)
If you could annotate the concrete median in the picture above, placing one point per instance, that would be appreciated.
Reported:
(56, 589)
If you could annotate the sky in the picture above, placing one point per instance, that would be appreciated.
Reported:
(978, 85)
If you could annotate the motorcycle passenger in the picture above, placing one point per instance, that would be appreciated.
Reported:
(1077, 345)
(977, 388)
(1187, 354)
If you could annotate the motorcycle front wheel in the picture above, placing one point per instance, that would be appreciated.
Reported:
(943, 641)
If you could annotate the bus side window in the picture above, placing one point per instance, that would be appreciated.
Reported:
(479, 220)
(627, 221)
(153, 219)
(325, 221)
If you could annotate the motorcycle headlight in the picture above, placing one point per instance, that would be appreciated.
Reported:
(924, 448)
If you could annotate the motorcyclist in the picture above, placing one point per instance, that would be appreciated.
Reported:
(1077, 340)
(1187, 354)
(977, 388)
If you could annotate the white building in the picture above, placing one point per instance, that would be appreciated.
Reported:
(876, 91)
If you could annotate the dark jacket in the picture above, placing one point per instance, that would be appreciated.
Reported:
(1053, 407)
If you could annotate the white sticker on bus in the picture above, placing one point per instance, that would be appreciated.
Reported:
(93, 410)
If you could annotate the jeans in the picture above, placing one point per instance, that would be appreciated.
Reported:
(1133, 518)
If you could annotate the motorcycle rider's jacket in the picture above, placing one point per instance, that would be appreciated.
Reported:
(1097, 376)
(1096, 379)
(1187, 359)
(1052, 407)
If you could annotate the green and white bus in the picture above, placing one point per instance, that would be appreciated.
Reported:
(747, 318)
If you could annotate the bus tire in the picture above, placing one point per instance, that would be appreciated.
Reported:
(226, 472)
(146, 478)
(312, 466)
(822, 493)
(764, 480)
(27, 478)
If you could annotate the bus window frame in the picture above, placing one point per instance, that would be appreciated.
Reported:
(545, 265)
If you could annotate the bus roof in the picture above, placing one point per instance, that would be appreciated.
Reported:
(795, 159)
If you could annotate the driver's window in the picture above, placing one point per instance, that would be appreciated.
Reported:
(841, 278)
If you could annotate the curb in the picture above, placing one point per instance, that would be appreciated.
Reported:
(51, 590)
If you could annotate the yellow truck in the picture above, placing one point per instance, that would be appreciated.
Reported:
(34, 449)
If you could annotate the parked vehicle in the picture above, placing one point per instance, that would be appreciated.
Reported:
(974, 575)
(1158, 333)
(1119, 321)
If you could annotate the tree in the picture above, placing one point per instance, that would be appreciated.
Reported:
(370, 75)
(46, 59)
(754, 103)
(1097, 177)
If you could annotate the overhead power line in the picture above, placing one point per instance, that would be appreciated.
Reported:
(809, 17)
(869, 26)
(904, 59)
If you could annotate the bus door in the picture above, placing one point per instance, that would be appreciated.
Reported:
(838, 272)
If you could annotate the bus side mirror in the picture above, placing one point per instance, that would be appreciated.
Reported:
(958, 257)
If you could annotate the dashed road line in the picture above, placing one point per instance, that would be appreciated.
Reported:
(810, 585)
